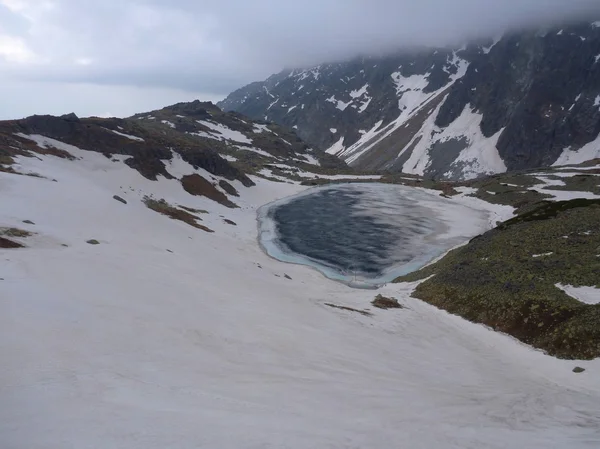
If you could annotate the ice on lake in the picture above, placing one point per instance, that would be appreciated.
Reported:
(366, 234)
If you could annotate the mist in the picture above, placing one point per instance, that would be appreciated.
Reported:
(214, 47)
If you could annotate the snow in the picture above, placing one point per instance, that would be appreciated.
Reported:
(225, 133)
(204, 134)
(575, 102)
(486, 50)
(363, 107)
(180, 116)
(596, 24)
(360, 92)
(229, 158)
(127, 345)
(333, 130)
(586, 295)
(480, 157)
(550, 182)
(256, 150)
(411, 100)
(312, 160)
(337, 147)
(579, 168)
(409, 90)
(168, 123)
(537, 256)
(261, 128)
(291, 109)
(338, 103)
(585, 153)
(129, 136)
(559, 195)
(560, 33)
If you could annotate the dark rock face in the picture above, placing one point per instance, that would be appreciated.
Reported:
(308, 99)
(107, 136)
(119, 199)
(197, 185)
(9, 244)
(539, 89)
(228, 188)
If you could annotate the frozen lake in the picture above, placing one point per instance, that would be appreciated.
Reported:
(365, 234)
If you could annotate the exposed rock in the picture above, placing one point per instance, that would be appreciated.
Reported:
(9, 244)
(71, 117)
(215, 165)
(197, 185)
(28, 222)
(228, 188)
(578, 370)
(349, 309)
(118, 198)
(93, 242)
(538, 91)
(381, 302)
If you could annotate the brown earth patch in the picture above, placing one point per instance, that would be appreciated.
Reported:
(381, 302)
(228, 188)
(197, 185)
(349, 309)
(9, 244)
(15, 232)
(194, 211)
(162, 207)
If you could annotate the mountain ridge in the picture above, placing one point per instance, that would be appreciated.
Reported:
(523, 100)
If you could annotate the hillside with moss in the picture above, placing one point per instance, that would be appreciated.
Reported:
(510, 277)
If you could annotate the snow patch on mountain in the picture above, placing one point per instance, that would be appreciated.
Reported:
(586, 295)
(261, 128)
(585, 153)
(225, 133)
(478, 156)
(129, 136)
(410, 92)
(337, 147)
(412, 99)
(338, 103)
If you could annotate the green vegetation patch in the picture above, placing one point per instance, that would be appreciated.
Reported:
(15, 232)
(506, 278)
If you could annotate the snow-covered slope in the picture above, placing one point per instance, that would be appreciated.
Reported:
(164, 335)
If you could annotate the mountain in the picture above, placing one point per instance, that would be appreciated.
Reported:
(138, 309)
(225, 146)
(520, 101)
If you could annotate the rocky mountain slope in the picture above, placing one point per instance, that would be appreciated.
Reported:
(227, 146)
(524, 100)
(137, 308)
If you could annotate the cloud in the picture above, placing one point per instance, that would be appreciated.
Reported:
(216, 46)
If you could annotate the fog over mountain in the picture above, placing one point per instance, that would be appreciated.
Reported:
(121, 57)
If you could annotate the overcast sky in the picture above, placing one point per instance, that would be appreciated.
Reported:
(118, 57)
